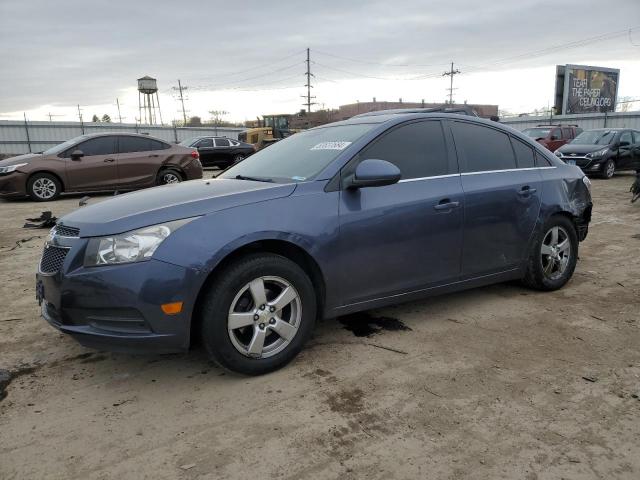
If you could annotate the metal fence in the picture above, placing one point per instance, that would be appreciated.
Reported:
(18, 137)
(585, 121)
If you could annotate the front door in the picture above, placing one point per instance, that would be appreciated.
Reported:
(407, 236)
(625, 151)
(97, 169)
(206, 151)
(502, 198)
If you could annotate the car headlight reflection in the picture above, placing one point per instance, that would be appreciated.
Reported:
(134, 246)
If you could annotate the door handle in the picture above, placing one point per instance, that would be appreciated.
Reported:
(446, 204)
(109, 160)
(526, 190)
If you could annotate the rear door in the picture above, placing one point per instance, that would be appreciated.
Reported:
(407, 236)
(97, 169)
(223, 151)
(139, 159)
(636, 150)
(502, 198)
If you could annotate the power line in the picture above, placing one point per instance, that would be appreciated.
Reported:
(366, 62)
(181, 90)
(262, 75)
(451, 74)
(308, 84)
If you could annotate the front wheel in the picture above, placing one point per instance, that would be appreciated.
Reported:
(608, 169)
(258, 314)
(553, 255)
(42, 187)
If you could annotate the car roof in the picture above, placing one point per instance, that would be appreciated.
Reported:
(464, 110)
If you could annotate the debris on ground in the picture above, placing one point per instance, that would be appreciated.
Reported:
(23, 240)
(83, 201)
(362, 324)
(45, 220)
(590, 378)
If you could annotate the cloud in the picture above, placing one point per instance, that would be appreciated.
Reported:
(62, 53)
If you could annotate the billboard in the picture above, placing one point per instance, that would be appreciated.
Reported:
(585, 89)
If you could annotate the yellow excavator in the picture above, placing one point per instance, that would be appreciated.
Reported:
(267, 130)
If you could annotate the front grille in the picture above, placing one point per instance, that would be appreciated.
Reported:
(64, 231)
(52, 259)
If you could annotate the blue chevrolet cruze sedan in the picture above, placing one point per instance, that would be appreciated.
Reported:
(379, 209)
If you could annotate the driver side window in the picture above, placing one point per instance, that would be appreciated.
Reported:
(95, 146)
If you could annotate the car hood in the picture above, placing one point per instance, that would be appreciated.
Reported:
(580, 149)
(7, 162)
(170, 202)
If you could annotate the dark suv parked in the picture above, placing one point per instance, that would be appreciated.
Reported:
(553, 136)
(114, 161)
(219, 151)
(345, 217)
(603, 151)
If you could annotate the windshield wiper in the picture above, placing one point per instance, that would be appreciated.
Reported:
(254, 179)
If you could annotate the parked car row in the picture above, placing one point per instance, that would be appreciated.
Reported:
(601, 151)
(114, 161)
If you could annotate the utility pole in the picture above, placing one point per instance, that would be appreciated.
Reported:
(51, 115)
(451, 73)
(80, 117)
(180, 90)
(119, 114)
(308, 84)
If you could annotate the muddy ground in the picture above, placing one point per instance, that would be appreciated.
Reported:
(498, 382)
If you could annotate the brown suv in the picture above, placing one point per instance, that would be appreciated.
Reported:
(114, 161)
(553, 136)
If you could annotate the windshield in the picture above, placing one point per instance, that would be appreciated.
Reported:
(63, 146)
(537, 132)
(301, 156)
(595, 137)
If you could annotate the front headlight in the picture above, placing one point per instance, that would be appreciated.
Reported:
(11, 168)
(598, 154)
(558, 153)
(134, 246)
(587, 183)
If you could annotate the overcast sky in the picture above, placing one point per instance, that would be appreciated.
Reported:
(247, 57)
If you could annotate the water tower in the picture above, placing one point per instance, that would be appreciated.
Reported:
(147, 104)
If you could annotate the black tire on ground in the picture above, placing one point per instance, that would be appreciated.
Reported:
(535, 276)
(43, 187)
(219, 297)
(237, 159)
(168, 175)
(608, 169)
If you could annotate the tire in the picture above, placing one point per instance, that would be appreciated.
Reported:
(540, 275)
(608, 169)
(283, 330)
(43, 187)
(237, 159)
(168, 176)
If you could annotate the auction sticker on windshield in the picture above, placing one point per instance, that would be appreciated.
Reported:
(331, 146)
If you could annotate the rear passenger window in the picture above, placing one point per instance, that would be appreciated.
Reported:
(417, 149)
(483, 148)
(525, 157)
(566, 133)
(134, 144)
(222, 142)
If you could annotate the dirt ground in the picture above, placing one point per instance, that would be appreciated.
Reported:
(497, 382)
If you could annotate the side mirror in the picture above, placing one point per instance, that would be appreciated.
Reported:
(77, 154)
(374, 173)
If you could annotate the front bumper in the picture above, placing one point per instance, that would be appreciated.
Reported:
(118, 308)
(13, 185)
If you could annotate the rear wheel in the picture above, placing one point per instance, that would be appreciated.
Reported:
(238, 158)
(168, 176)
(43, 187)
(609, 169)
(258, 314)
(553, 255)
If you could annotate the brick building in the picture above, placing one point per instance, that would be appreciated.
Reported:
(304, 120)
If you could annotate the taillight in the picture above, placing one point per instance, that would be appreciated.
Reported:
(195, 154)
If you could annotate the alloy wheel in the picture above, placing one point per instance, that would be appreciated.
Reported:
(610, 169)
(555, 252)
(264, 317)
(170, 177)
(44, 188)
